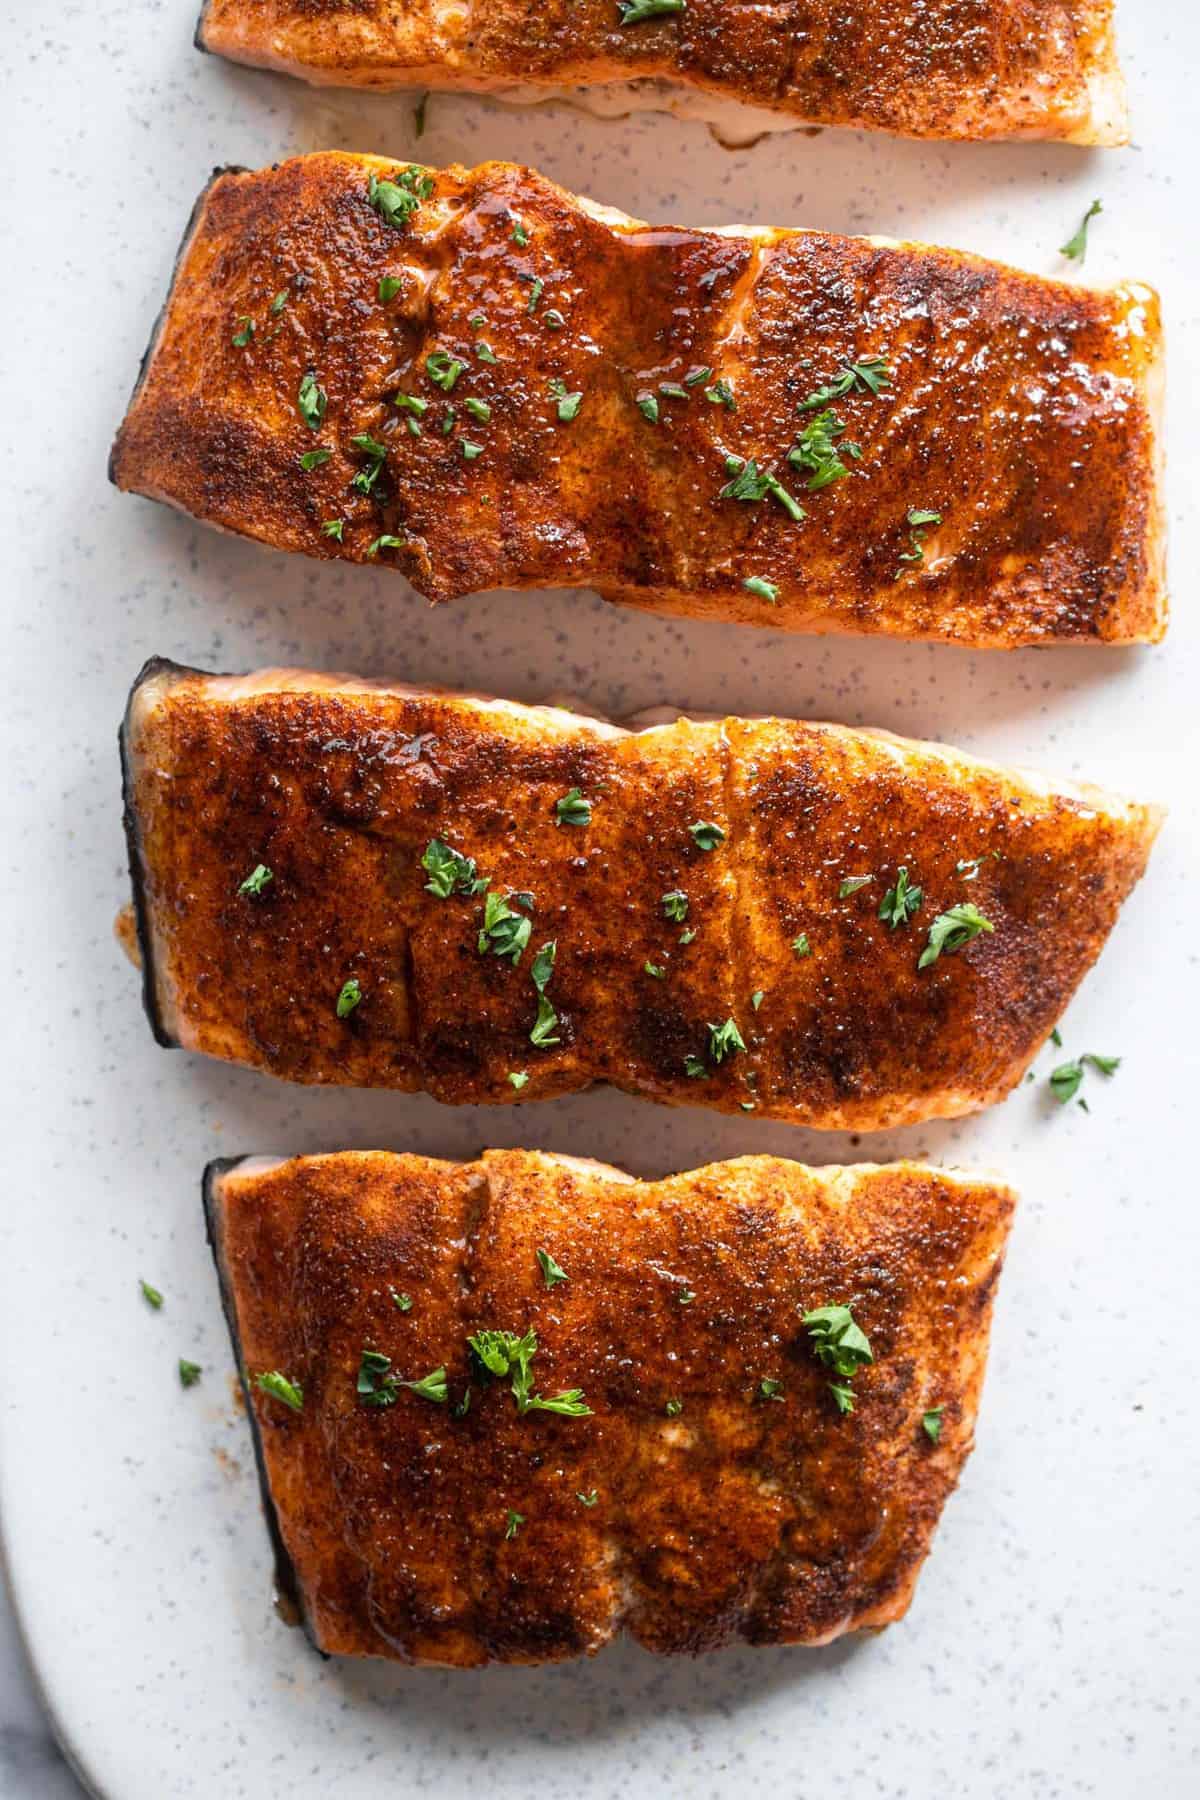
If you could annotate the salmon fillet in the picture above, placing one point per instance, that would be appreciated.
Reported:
(942, 69)
(340, 881)
(705, 1484)
(485, 382)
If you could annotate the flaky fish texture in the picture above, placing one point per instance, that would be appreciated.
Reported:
(484, 382)
(922, 68)
(340, 881)
(716, 1488)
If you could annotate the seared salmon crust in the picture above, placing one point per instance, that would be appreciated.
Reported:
(706, 1483)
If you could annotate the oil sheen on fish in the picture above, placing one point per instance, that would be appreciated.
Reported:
(344, 882)
(479, 380)
(705, 1473)
(923, 68)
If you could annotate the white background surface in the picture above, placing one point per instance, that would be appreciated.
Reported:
(1052, 1649)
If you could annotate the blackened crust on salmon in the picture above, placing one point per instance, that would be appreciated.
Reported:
(339, 788)
(1018, 417)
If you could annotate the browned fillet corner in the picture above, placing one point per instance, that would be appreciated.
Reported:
(1013, 417)
(689, 1505)
(716, 917)
(936, 69)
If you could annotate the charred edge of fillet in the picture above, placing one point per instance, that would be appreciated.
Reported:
(157, 665)
(287, 1582)
(185, 244)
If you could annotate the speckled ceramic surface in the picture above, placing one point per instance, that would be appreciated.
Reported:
(1052, 1648)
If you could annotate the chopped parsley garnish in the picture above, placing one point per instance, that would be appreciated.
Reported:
(386, 542)
(1056, 1037)
(951, 930)
(724, 1040)
(411, 403)
(673, 1408)
(1075, 248)
(520, 235)
(818, 450)
(1065, 1081)
(552, 1272)
(655, 969)
(567, 404)
(389, 287)
(901, 902)
(535, 294)
(311, 400)
(505, 931)
(518, 1078)
(256, 880)
(573, 809)
(756, 999)
(851, 884)
(838, 1341)
(333, 528)
(151, 1295)
(706, 835)
(673, 390)
(513, 1523)
(449, 871)
(430, 1387)
(970, 866)
(721, 394)
(769, 1389)
(918, 520)
(648, 406)
(685, 937)
(553, 319)
(758, 584)
(470, 451)
(280, 1388)
(750, 483)
(376, 455)
(478, 409)
(245, 331)
(544, 1025)
(485, 353)
(350, 997)
(675, 904)
(403, 1301)
(189, 1372)
(801, 945)
(501, 1353)
(694, 1068)
(870, 376)
(931, 1423)
(396, 201)
(312, 459)
(543, 966)
(443, 369)
(694, 377)
(588, 1499)
(279, 302)
(375, 1385)
(634, 11)
(685, 1296)
(843, 1393)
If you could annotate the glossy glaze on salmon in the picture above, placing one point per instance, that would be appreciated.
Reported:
(937, 69)
(483, 382)
(343, 882)
(716, 1488)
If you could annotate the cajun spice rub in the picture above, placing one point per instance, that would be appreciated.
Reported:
(924, 68)
(505, 1409)
(350, 883)
(477, 379)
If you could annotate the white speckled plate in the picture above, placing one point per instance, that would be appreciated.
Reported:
(1052, 1648)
